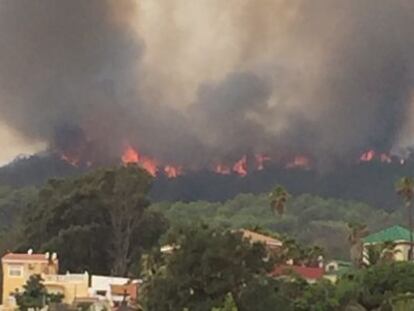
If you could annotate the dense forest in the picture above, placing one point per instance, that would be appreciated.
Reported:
(369, 182)
(308, 218)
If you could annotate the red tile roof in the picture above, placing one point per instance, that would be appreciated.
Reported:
(309, 273)
(25, 257)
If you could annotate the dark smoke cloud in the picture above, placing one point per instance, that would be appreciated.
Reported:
(196, 82)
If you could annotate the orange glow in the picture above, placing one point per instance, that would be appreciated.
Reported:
(131, 155)
(299, 161)
(74, 161)
(240, 167)
(260, 159)
(385, 158)
(172, 171)
(367, 156)
(222, 169)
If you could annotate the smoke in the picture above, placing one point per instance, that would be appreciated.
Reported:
(193, 82)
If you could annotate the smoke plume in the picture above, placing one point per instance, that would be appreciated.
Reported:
(191, 82)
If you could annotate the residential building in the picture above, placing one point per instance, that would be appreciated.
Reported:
(17, 269)
(270, 242)
(336, 268)
(310, 274)
(72, 286)
(114, 289)
(398, 235)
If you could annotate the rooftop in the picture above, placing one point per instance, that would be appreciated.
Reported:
(393, 234)
(258, 237)
(26, 257)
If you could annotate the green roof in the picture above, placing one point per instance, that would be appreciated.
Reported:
(394, 233)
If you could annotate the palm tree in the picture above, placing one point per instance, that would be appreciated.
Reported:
(278, 198)
(405, 189)
(356, 233)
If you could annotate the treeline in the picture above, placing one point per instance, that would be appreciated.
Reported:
(307, 218)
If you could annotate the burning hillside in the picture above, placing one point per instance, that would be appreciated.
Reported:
(179, 88)
(368, 181)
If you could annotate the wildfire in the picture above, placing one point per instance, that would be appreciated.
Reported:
(74, 161)
(260, 159)
(373, 155)
(367, 156)
(131, 155)
(240, 167)
(172, 171)
(222, 169)
(299, 161)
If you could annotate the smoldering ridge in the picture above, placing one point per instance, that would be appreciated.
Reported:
(328, 79)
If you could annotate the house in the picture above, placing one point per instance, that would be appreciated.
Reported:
(71, 286)
(114, 289)
(254, 237)
(400, 237)
(336, 268)
(270, 243)
(17, 269)
(310, 274)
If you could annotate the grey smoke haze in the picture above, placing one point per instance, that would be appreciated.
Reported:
(193, 82)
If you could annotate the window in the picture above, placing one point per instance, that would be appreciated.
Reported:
(101, 292)
(15, 270)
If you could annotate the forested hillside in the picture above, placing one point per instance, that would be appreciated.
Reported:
(308, 218)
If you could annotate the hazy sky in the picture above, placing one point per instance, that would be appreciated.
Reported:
(12, 144)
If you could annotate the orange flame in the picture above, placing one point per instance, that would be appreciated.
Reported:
(131, 155)
(240, 167)
(299, 161)
(172, 171)
(74, 161)
(372, 154)
(222, 169)
(367, 156)
(385, 158)
(260, 159)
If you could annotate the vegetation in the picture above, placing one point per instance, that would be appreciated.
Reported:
(35, 295)
(207, 264)
(97, 223)
(103, 222)
(405, 188)
(278, 199)
(309, 219)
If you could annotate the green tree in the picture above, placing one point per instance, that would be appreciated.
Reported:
(374, 288)
(98, 222)
(278, 198)
(35, 295)
(228, 305)
(317, 297)
(207, 264)
(405, 189)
